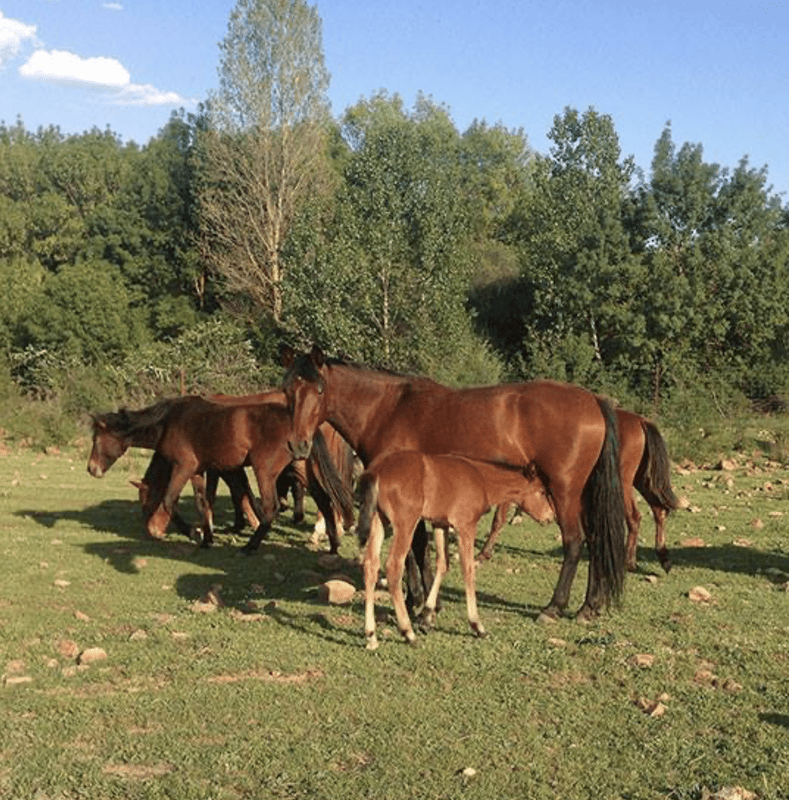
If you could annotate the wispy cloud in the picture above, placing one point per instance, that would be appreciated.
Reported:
(13, 34)
(64, 67)
(113, 6)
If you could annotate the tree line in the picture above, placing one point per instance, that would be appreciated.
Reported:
(385, 234)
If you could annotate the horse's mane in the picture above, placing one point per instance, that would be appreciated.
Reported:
(126, 422)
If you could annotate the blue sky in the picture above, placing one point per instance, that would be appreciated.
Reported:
(718, 70)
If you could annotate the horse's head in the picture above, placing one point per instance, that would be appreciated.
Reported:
(304, 387)
(107, 448)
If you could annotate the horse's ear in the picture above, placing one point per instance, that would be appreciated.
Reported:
(287, 356)
(139, 484)
(317, 356)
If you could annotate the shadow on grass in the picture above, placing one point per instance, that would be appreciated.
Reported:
(782, 720)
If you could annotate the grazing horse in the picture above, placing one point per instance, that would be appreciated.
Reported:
(566, 434)
(646, 467)
(405, 487)
(193, 434)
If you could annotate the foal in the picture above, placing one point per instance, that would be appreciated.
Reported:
(446, 490)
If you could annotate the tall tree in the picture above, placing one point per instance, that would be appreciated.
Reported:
(575, 254)
(264, 150)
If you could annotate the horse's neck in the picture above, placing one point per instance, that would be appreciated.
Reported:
(361, 402)
(147, 438)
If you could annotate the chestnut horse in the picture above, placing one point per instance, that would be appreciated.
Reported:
(403, 488)
(567, 434)
(646, 467)
(193, 434)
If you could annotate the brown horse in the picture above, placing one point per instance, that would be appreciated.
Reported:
(567, 434)
(646, 467)
(194, 434)
(405, 487)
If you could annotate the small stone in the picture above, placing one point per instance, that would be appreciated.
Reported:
(138, 636)
(91, 655)
(68, 648)
(336, 592)
(643, 660)
(698, 594)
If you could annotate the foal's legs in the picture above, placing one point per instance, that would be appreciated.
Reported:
(395, 565)
(429, 614)
(466, 537)
(372, 563)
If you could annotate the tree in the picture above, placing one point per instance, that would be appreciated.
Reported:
(265, 148)
(575, 254)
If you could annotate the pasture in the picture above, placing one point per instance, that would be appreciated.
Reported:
(226, 676)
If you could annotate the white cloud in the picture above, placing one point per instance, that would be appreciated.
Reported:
(60, 65)
(113, 6)
(13, 34)
(136, 94)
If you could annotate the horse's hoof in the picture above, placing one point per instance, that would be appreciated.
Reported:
(666, 565)
(548, 618)
(372, 642)
(587, 614)
(479, 631)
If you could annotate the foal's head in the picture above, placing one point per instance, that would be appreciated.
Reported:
(108, 447)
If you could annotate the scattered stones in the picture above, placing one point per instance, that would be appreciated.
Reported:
(698, 594)
(91, 655)
(336, 592)
(68, 648)
(61, 584)
(652, 708)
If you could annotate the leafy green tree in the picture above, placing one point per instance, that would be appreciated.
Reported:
(575, 253)
(264, 154)
(398, 269)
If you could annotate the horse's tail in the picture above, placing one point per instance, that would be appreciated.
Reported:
(368, 489)
(653, 479)
(604, 516)
(339, 492)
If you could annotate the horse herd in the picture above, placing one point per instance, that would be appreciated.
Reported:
(430, 453)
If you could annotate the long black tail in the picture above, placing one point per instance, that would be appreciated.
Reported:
(326, 471)
(604, 516)
(653, 479)
(368, 490)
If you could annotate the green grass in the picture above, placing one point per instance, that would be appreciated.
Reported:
(273, 695)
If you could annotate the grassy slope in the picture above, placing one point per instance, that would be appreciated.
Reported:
(286, 702)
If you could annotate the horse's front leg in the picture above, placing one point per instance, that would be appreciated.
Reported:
(269, 505)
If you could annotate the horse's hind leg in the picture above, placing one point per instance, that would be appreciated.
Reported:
(466, 537)
(568, 516)
(395, 565)
(660, 515)
(499, 520)
(633, 519)
(372, 563)
(429, 615)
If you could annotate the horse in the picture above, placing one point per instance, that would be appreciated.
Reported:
(193, 434)
(566, 433)
(301, 475)
(404, 487)
(645, 466)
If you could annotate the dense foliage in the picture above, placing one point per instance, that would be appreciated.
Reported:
(464, 255)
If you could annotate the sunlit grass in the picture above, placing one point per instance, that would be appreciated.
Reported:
(272, 694)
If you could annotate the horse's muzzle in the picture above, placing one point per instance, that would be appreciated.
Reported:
(96, 470)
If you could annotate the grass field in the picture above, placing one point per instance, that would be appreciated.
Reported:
(271, 694)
